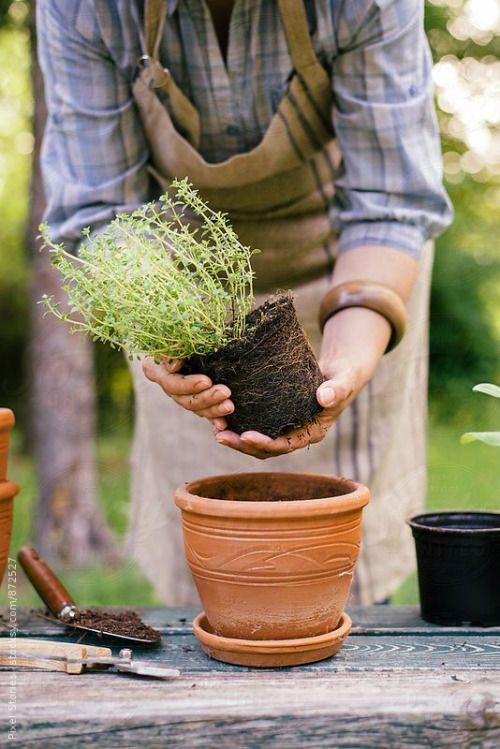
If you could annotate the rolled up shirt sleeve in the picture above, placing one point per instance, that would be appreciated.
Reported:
(94, 153)
(390, 191)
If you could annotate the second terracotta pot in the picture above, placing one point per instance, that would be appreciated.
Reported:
(6, 424)
(272, 554)
(8, 489)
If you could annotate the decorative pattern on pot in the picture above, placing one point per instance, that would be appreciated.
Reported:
(273, 568)
(322, 551)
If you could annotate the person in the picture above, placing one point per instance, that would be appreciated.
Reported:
(311, 123)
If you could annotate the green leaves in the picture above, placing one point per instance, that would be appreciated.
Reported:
(170, 279)
(488, 388)
(489, 438)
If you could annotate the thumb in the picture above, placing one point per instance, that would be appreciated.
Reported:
(326, 394)
(332, 392)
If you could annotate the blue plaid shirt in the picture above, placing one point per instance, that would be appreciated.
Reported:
(95, 155)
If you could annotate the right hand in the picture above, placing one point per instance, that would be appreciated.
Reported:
(195, 392)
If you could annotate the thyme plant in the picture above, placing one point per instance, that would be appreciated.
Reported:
(157, 282)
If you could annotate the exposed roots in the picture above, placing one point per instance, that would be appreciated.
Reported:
(273, 374)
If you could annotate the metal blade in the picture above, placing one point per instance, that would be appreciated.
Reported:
(141, 668)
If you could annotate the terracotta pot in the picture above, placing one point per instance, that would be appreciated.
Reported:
(6, 423)
(272, 554)
(8, 490)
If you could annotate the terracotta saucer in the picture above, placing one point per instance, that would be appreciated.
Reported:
(270, 653)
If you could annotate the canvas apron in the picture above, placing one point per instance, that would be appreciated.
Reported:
(277, 196)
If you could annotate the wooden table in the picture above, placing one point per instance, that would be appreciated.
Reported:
(397, 682)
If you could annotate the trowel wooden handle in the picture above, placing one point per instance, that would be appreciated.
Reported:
(47, 585)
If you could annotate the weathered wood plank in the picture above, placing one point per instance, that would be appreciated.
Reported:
(360, 653)
(439, 710)
(396, 682)
(366, 620)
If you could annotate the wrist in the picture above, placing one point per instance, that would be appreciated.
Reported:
(356, 337)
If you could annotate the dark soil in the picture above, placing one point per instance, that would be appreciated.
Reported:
(121, 623)
(273, 374)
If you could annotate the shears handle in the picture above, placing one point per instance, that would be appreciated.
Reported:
(47, 655)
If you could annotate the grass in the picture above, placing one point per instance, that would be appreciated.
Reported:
(96, 584)
(460, 477)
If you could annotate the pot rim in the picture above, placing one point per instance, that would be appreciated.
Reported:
(417, 522)
(357, 497)
(8, 489)
(7, 419)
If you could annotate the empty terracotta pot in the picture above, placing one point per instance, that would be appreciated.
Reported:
(8, 489)
(272, 554)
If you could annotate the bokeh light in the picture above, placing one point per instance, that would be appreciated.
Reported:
(468, 92)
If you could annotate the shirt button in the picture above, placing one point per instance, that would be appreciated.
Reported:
(233, 130)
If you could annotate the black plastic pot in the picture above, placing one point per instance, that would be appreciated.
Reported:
(458, 560)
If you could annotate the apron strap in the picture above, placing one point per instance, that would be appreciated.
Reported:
(300, 46)
(186, 115)
(155, 14)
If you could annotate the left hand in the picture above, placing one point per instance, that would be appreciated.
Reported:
(334, 395)
(354, 341)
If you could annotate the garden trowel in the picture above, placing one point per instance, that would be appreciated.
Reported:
(62, 606)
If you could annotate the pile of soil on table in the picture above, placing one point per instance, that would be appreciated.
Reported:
(123, 623)
(272, 373)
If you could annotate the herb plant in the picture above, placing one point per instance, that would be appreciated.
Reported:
(170, 279)
(490, 438)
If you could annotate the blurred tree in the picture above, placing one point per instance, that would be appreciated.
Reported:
(15, 145)
(69, 525)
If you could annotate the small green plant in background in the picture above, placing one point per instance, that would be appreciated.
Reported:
(489, 438)
(155, 282)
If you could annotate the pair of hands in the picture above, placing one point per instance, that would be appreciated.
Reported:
(354, 340)
(198, 394)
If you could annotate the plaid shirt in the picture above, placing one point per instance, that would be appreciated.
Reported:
(95, 156)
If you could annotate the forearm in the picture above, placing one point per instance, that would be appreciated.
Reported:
(378, 264)
(358, 337)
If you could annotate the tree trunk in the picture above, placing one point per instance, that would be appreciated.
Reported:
(69, 525)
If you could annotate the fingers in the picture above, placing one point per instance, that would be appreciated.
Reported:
(294, 440)
(174, 384)
(259, 446)
(193, 392)
(211, 403)
(234, 441)
(217, 395)
(219, 425)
